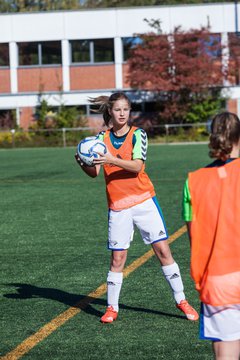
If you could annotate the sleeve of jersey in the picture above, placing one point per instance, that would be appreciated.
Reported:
(140, 144)
(186, 203)
(100, 135)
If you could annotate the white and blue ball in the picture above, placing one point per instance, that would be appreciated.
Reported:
(89, 148)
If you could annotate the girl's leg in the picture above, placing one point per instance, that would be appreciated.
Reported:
(227, 350)
(114, 284)
(115, 277)
(118, 260)
(170, 269)
(173, 276)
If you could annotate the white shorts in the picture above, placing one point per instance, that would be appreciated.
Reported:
(147, 217)
(220, 323)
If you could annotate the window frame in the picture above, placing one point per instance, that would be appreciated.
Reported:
(40, 55)
(137, 41)
(91, 53)
(214, 54)
(8, 56)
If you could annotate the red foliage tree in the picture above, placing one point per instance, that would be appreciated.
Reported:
(234, 58)
(182, 69)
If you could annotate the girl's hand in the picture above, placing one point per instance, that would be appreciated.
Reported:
(91, 171)
(107, 158)
(129, 165)
(78, 160)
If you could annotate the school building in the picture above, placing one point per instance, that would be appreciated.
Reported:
(69, 56)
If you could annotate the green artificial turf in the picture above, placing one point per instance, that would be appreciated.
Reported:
(53, 233)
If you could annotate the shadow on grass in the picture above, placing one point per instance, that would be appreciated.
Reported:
(83, 302)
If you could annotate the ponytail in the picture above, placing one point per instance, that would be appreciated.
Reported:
(225, 132)
(103, 103)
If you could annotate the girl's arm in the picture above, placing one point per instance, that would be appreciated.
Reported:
(187, 208)
(139, 154)
(129, 165)
(188, 225)
(91, 171)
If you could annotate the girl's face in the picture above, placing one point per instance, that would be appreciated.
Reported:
(120, 112)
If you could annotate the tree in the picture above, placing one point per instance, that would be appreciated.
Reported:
(46, 5)
(37, 5)
(42, 111)
(129, 3)
(50, 117)
(234, 61)
(117, 3)
(183, 69)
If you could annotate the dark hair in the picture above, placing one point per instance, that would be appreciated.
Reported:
(225, 132)
(106, 103)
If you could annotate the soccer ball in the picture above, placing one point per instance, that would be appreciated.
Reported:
(88, 149)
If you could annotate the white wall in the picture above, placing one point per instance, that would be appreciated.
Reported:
(102, 23)
(113, 22)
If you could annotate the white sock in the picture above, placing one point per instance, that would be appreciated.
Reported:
(173, 277)
(114, 284)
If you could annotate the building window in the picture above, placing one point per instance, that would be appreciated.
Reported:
(212, 45)
(44, 53)
(7, 119)
(51, 52)
(82, 109)
(80, 51)
(92, 51)
(4, 55)
(28, 54)
(136, 107)
(103, 50)
(128, 44)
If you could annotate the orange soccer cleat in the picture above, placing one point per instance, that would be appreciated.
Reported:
(110, 315)
(188, 310)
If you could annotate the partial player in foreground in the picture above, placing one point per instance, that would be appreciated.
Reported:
(131, 201)
(211, 208)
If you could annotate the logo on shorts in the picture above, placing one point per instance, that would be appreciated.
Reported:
(113, 243)
(161, 233)
(174, 276)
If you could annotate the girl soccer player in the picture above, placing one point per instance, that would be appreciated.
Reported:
(211, 208)
(131, 201)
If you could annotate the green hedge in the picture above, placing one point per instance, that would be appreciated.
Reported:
(49, 138)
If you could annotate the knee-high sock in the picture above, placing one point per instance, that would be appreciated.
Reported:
(114, 284)
(173, 277)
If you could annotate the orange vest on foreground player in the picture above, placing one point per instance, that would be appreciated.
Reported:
(215, 233)
(124, 188)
